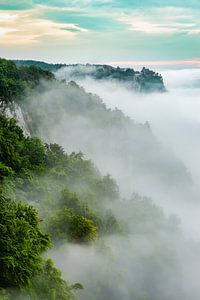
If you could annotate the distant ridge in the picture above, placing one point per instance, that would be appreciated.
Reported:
(40, 64)
(145, 81)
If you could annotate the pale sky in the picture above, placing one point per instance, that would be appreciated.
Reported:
(124, 32)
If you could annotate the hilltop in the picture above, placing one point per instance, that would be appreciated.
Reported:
(144, 81)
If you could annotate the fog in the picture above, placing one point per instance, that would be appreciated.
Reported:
(157, 258)
(174, 119)
(173, 116)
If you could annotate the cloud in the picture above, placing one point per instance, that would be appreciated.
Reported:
(24, 28)
(159, 21)
(98, 28)
(86, 17)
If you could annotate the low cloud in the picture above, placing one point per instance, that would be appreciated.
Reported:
(174, 118)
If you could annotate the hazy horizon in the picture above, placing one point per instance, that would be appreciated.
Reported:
(108, 31)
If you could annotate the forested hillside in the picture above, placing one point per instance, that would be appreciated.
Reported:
(55, 200)
(52, 108)
(80, 121)
(15, 82)
(43, 175)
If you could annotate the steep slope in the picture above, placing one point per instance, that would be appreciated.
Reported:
(118, 248)
(99, 239)
(80, 121)
(15, 84)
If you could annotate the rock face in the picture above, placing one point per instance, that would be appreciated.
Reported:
(13, 110)
(149, 81)
(144, 81)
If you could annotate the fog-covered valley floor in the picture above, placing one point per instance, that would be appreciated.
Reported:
(174, 119)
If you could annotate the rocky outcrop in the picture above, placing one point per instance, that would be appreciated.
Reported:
(13, 110)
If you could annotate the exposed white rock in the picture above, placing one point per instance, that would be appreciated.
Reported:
(13, 110)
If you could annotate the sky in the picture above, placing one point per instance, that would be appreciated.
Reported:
(119, 32)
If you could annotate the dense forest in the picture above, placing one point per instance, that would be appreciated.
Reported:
(52, 198)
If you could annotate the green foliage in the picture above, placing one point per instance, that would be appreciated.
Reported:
(71, 201)
(39, 64)
(75, 202)
(21, 264)
(110, 224)
(33, 153)
(11, 86)
(43, 174)
(15, 81)
(33, 75)
(10, 138)
(65, 226)
(144, 217)
(105, 222)
(4, 294)
(107, 188)
(5, 171)
(16, 151)
(49, 285)
(54, 155)
(21, 243)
